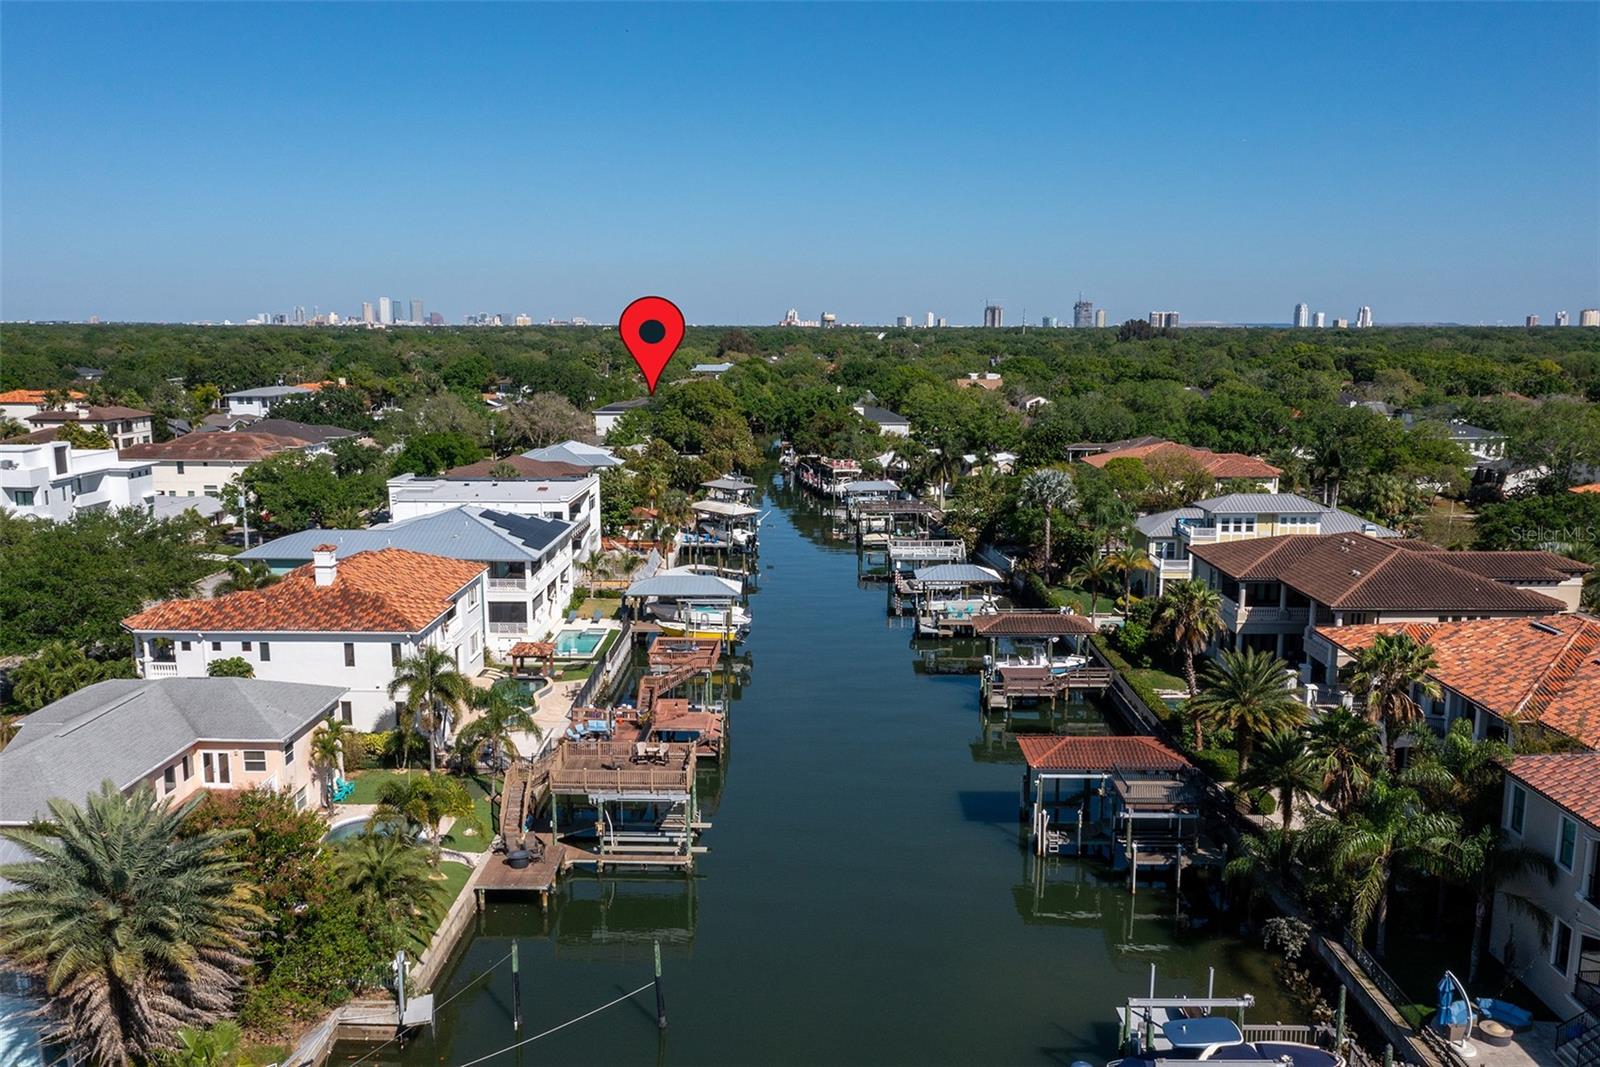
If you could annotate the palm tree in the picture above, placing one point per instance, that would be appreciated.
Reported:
(1260, 859)
(1487, 863)
(493, 728)
(136, 929)
(1245, 692)
(1050, 489)
(1125, 561)
(243, 576)
(941, 466)
(1092, 572)
(1346, 752)
(1284, 766)
(596, 565)
(1189, 614)
(435, 691)
(1384, 675)
(388, 876)
(1390, 828)
(1458, 772)
(423, 802)
(328, 745)
(57, 670)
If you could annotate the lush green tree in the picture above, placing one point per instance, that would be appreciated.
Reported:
(330, 747)
(232, 667)
(244, 575)
(1051, 490)
(492, 734)
(294, 491)
(59, 670)
(423, 802)
(1124, 560)
(435, 693)
(136, 929)
(1490, 866)
(211, 1046)
(83, 436)
(389, 878)
(1348, 754)
(1383, 676)
(1283, 765)
(1560, 522)
(429, 454)
(1561, 435)
(544, 419)
(1189, 614)
(1245, 692)
(347, 408)
(1092, 572)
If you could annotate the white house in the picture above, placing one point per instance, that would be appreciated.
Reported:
(258, 403)
(530, 560)
(124, 426)
(53, 480)
(548, 490)
(342, 622)
(202, 464)
(887, 422)
(20, 403)
(607, 417)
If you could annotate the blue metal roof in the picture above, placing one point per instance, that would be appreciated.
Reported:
(469, 533)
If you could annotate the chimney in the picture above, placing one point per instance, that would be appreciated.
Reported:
(324, 565)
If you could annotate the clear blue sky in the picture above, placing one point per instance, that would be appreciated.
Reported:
(1437, 162)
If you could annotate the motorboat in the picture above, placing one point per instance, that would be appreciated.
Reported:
(702, 619)
(1218, 1040)
(1014, 652)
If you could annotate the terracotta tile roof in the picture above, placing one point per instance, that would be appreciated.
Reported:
(33, 396)
(525, 468)
(1216, 464)
(1571, 780)
(1356, 572)
(387, 591)
(1544, 669)
(238, 447)
(106, 413)
(1100, 754)
(1518, 566)
(1592, 487)
(1031, 624)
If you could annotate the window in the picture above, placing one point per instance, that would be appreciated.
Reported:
(288, 752)
(1561, 947)
(255, 760)
(345, 714)
(349, 654)
(394, 654)
(216, 646)
(266, 651)
(188, 767)
(1567, 843)
(184, 645)
(1519, 808)
(180, 466)
(300, 799)
(244, 646)
(22, 497)
(214, 768)
(213, 491)
(169, 780)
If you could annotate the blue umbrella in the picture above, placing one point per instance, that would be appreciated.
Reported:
(1452, 1002)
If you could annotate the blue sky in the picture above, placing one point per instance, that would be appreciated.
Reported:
(1437, 162)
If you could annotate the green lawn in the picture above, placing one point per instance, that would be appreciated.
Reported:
(368, 784)
(455, 876)
(1078, 600)
(1156, 678)
(477, 842)
(607, 606)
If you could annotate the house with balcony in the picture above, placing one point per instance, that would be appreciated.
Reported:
(516, 484)
(124, 426)
(1167, 535)
(1552, 805)
(52, 480)
(1277, 591)
(176, 735)
(529, 560)
(1222, 466)
(341, 622)
(1496, 673)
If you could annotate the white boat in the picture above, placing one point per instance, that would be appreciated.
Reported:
(1015, 652)
(702, 619)
(1218, 1040)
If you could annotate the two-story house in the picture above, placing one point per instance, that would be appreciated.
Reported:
(257, 403)
(177, 735)
(530, 560)
(18, 404)
(1167, 535)
(887, 422)
(607, 417)
(343, 622)
(124, 426)
(53, 480)
(202, 464)
(516, 484)
(1276, 591)
(1552, 805)
(1220, 465)
(1497, 672)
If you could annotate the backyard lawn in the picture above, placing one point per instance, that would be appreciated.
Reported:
(1078, 600)
(455, 876)
(1158, 679)
(607, 606)
(369, 784)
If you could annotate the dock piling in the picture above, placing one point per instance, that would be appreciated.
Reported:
(661, 996)
(516, 990)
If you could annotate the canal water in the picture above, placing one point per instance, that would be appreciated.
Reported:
(866, 899)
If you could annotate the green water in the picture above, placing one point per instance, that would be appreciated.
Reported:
(866, 899)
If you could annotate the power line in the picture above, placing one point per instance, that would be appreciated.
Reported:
(563, 1026)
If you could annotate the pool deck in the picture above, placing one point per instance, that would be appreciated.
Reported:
(1531, 1048)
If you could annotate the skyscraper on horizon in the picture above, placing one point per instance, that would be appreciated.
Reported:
(1302, 316)
(1319, 319)
(928, 322)
(1164, 320)
(366, 313)
(1050, 322)
(1561, 318)
(1082, 314)
(1531, 320)
(385, 311)
(1589, 317)
(902, 321)
(1363, 317)
(994, 315)
(416, 312)
(1100, 318)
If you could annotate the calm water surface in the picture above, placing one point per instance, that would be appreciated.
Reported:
(866, 899)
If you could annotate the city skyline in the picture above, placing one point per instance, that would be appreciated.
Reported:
(199, 176)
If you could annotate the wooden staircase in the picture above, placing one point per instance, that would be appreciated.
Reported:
(653, 686)
(526, 784)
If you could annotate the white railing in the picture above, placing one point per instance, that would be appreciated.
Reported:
(516, 627)
(1170, 567)
(154, 668)
(508, 583)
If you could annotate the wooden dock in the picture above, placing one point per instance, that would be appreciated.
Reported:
(1008, 685)
(539, 876)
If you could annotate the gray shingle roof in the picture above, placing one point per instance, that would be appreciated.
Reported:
(883, 416)
(470, 533)
(128, 728)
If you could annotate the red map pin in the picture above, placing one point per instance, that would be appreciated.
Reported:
(652, 328)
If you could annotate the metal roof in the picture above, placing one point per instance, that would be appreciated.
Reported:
(726, 508)
(870, 485)
(963, 573)
(576, 453)
(470, 533)
(269, 392)
(729, 483)
(487, 491)
(1261, 503)
(677, 584)
(1332, 520)
(128, 728)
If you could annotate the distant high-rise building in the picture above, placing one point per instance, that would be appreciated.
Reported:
(902, 320)
(942, 322)
(524, 320)
(829, 319)
(435, 319)
(1164, 320)
(1531, 320)
(994, 315)
(1050, 322)
(94, 320)
(366, 313)
(1319, 319)
(1589, 317)
(1561, 318)
(299, 315)
(928, 321)
(1100, 318)
(1363, 317)
(385, 310)
(1083, 314)
(416, 312)
(1341, 324)
(1302, 316)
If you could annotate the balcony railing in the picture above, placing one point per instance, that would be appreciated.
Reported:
(515, 582)
(160, 668)
(1175, 566)
(1586, 988)
(514, 627)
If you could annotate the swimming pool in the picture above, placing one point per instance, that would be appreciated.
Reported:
(522, 690)
(352, 828)
(578, 644)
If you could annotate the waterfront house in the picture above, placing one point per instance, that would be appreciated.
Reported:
(53, 480)
(257, 403)
(886, 421)
(530, 560)
(541, 488)
(1167, 535)
(342, 622)
(1276, 591)
(202, 464)
(591, 458)
(607, 417)
(177, 735)
(1496, 672)
(1219, 465)
(124, 426)
(18, 404)
(1552, 804)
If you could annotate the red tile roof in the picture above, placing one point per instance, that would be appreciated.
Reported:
(33, 396)
(1031, 624)
(1216, 464)
(1571, 780)
(387, 591)
(1091, 754)
(106, 413)
(1356, 572)
(239, 447)
(1544, 669)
